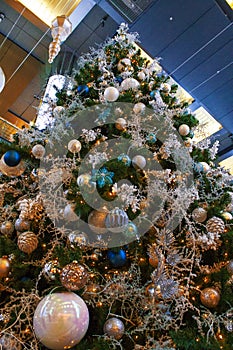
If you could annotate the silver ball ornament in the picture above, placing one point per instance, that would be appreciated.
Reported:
(114, 327)
(22, 225)
(130, 83)
(199, 214)
(120, 123)
(139, 162)
(139, 108)
(111, 94)
(74, 146)
(141, 75)
(184, 130)
(38, 151)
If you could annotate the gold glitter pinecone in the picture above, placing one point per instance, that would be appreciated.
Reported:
(27, 242)
(215, 225)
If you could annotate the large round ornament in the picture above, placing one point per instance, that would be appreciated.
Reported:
(74, 276)
(7, 228)
(230, 267)
(210, 297)
(61, 320)
(184, 130)
(199, 214)
(139, 108)
(117, 258)
(4, 267)
(96, 221)
(114, 327)
(12, 171)
(139, 162)
(120, 123)
(130, 83)
(12, 158)
(27, 242)
(74, 146)
(38, 151)
(111, 94)
(123, 64)
(116, 220)
(22, 225)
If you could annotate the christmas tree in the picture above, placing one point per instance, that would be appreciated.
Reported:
(116, 228)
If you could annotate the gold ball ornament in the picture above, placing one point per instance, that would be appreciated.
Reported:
(12, 171)
(215, 225)
(22, 225)
(227, 216)
(139, 162)
(184, 130)
(120, 123)
(199, 214)
(38, 151)
(210, 297)
(114, 327)
(27, 242)
(7, 228)
(96, 221)
(4, 267)
(74, 146)
(74, 276)
(230, 267)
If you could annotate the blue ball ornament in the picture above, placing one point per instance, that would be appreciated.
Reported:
(117, 259)
(124, 158)
(151, 138)
(12, 158)
(83, 90)
(198, 167)
(119, 79)
(191, 134)
(152, 94)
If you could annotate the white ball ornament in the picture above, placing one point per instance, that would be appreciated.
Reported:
(130, 83)
(111, 94)
(61, 320)
(38, 151)
(139, 108)
(184, 130)
(206, 167)
(139, 162)
(58, 110)
(74, 146)
(141, 75)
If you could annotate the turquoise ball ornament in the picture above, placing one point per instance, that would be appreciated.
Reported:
(124, 158)
(116, 220)
(12, 158)
(198, 168)
(151, 138)
(83, 90)
(117, 259)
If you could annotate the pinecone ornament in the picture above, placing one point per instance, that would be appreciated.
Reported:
(215, 225)
(27, 242)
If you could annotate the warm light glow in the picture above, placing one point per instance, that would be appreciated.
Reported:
(47, 11)
(207, 124)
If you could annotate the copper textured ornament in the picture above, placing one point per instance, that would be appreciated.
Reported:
(22, 225)
(96, 221)
(12, 171)
(215, 225)
(7, 228)
(27, 242)
(210, 297)
(4, 267)
(199, 214)
(230, 267)
(114, 327)
(74, 276)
